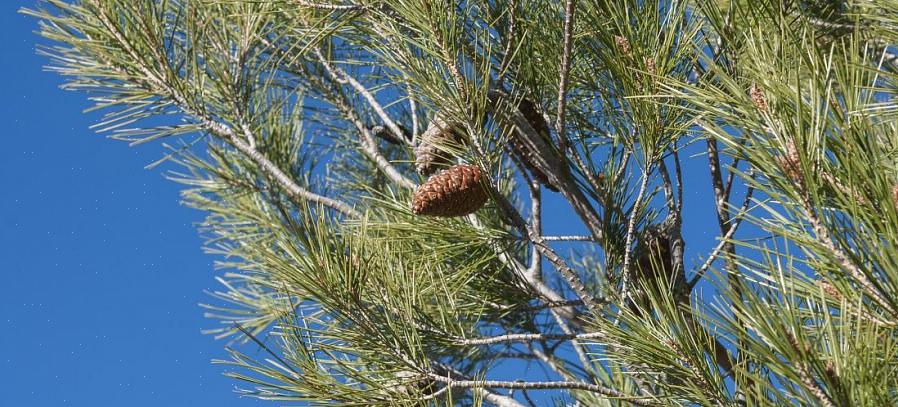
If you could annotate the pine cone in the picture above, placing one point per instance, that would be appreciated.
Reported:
(387, 135)
(654, 253)
(538, 122)
(758, 98)
(429, 156)
(456, 191)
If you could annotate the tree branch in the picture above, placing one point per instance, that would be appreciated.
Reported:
(546, 158)
(563, 71)
(222, 130)
(335, 7)
(339, 74)
(724, 240)
(520, 385)
(578, 238)
(528, 338)
(841, 257)
(369, 146)
(631, 226)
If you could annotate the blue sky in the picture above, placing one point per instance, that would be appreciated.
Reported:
(102, 269)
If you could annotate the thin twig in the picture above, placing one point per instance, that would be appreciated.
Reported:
(450, 375)
(339, 74)
(527, 338)
(559, 304)
(631, 228)
(323, 6)
(582, 238)
(536, 260)
(563, 73)
(520, 385)
(579, 349)
(825, 238)
(724, 240)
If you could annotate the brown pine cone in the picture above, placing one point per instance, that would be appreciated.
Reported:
(456, 191)
(429, 156)
(538, 122)
(654, 253)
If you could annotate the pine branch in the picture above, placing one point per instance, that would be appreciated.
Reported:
(611, 393)
(369, 145)
(631, 228)
(563, 70)
(334, 7)
(222, 130)
(548, 161)
(340, 75)
(573, 238)
(528, 338)
(724, 240)
(823, 236)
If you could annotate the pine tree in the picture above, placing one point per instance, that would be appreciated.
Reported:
(296, 125)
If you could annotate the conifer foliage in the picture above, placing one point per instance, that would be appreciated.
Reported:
(373, 174)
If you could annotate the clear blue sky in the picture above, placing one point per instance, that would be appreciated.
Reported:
(102, 269)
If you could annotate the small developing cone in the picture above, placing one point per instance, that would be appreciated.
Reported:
(429, 156)
(798, 346)
(895, 196)
(758, 98)
(457, 191)
(651, 67)
(538, 122)
(829, 289)
(622, 44)
(791, 163)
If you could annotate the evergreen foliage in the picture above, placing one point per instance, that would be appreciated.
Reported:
(295, 124)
